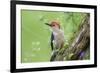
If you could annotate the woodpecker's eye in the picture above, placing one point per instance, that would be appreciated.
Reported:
(53, 25)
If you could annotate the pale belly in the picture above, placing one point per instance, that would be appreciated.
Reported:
(59, 40)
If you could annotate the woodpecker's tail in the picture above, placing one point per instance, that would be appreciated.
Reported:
(53, 56)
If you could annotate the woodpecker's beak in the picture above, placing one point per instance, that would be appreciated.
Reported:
(48, 24)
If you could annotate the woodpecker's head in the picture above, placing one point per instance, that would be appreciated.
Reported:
(54, 24)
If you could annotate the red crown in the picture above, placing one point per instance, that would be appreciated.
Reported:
(56, 22)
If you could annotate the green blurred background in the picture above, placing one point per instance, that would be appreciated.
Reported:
(35, 35)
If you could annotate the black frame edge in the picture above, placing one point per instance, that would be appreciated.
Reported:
(95, 36)
(56, 68)
(55, 4)
(12, 36)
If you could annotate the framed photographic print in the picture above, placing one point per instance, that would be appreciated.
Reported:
(52, 36)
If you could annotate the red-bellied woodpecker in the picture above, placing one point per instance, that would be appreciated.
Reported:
(57, 37)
